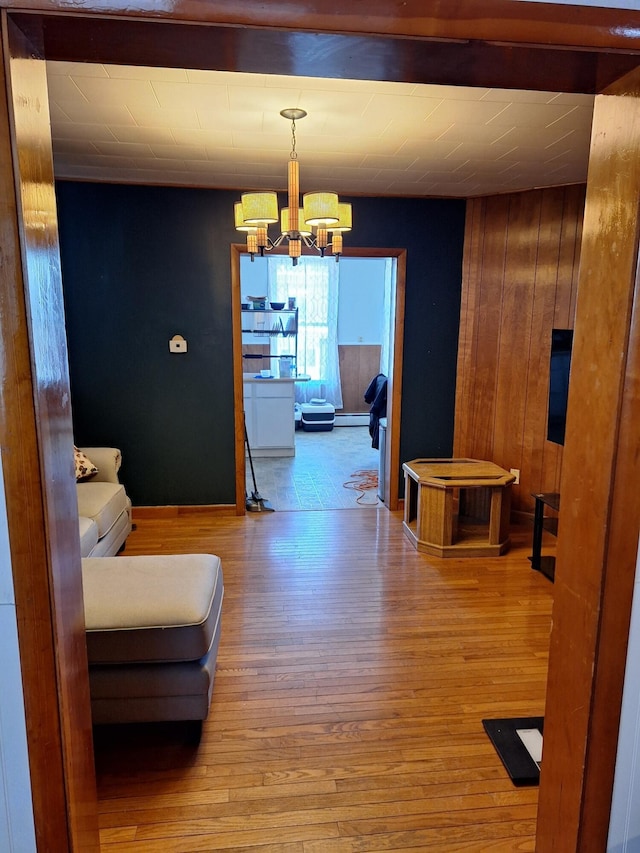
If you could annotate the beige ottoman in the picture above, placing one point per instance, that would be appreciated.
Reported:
(153, 629)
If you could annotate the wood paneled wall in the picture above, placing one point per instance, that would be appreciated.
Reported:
(358, 366)
(520, 276)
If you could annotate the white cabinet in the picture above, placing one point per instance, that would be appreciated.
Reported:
(269, 413)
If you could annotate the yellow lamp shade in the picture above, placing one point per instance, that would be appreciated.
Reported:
(238, 216)
(260, 208)
(344, 223)
(303, 229)
(320, 208)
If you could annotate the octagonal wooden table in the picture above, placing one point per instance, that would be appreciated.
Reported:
(457, 507)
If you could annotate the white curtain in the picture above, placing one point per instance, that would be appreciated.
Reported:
(389, 278)
(314, 284)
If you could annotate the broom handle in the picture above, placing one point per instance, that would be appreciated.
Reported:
(246, 438)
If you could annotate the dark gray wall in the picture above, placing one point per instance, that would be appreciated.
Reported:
(140, 264)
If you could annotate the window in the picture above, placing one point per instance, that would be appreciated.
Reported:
(314, 283)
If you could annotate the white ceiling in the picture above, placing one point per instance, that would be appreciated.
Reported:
(224, 130)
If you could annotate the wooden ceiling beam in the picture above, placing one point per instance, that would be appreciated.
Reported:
(543, 24)
(415, 58)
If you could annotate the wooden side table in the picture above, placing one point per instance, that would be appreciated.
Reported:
(457, 507)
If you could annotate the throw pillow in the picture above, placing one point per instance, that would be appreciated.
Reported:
(84, 466)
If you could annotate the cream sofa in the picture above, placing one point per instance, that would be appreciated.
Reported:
(153, 627)
(104, 510)
(152, 622)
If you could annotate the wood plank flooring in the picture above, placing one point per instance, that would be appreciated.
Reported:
(353, 675)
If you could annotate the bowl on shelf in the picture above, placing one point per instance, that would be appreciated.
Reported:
(277, 306)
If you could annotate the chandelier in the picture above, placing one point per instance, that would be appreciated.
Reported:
(319, 223)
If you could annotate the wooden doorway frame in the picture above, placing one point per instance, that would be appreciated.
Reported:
(496, 43)
(37, 437)
(396, 344)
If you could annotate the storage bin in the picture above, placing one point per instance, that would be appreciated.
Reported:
(318, 416)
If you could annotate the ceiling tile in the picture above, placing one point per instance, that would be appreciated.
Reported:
(527, 115)
(178, 116)
(198, 136)
(126, 149)
(135, 72)
(73, 146)
(82, 112)
(194, 96)
(104, 92)
(388, 162)
(473, 112)
(176, 152)
(77, 69)
(63, 87)
(487, 135)
(150, 135)
(222, 129)
(87, 132)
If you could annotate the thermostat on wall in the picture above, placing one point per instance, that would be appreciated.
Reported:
(177, 344)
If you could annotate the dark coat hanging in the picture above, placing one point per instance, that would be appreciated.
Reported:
(376, 396)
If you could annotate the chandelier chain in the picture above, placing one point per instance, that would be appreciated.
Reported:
(294, 153)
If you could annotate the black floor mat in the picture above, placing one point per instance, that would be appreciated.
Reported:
(514, 755)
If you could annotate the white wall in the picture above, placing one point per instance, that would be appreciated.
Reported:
(624, 827)
(253, 277)
(17, 834)
(360, 309)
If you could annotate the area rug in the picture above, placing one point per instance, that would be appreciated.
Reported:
(366, 483)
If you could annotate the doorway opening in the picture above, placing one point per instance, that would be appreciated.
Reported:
(336, 465)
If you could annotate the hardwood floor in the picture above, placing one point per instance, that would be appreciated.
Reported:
(353, 675)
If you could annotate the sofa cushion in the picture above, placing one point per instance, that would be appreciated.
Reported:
(88, 534)
(153, 692)
(178, 678)
(101, 502)
(85, 468)
(151, 608)
(113, 541)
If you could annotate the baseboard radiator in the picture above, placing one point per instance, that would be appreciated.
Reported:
(351, 420)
